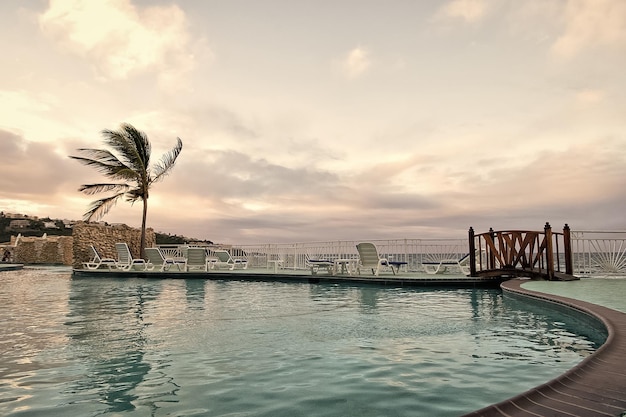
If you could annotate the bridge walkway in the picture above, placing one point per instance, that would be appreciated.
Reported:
(516, 253)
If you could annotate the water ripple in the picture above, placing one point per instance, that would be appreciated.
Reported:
(107, 347)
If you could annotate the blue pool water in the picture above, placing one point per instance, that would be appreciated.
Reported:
(133, 347)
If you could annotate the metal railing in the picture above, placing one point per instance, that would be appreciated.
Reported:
(599, 252)
(412, 251)
(296, 255)
(593, 252)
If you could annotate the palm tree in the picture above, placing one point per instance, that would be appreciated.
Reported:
(131, 165)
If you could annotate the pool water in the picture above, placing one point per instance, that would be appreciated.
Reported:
(138, 347)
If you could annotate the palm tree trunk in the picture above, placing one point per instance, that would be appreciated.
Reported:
(143, 229)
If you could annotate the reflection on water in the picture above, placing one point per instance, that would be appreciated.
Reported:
(108, 330)
(112, 347)
(194, 291)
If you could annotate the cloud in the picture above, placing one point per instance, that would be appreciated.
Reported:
(28, 114)
(35, 175)
(469, 11)
(447, 145)
(236, 176)
(251, 199)
(590, 96)
(591, 23)
(120, 39)
(232, 197)
(594, 170)
(355, 63)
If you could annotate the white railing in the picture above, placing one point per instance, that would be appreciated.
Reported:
(296, 255)
(593, 252)
(596, 252)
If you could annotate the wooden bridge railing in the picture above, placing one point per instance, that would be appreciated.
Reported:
(542, 253)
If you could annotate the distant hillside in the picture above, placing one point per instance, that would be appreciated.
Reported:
(14, 224)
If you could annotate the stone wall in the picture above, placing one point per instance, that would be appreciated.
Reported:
(43, 250)
(104, 239)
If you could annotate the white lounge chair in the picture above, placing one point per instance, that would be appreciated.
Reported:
(368, 258)
(442, 266)
(316, 264)
(125, 260)
(98, 261)
(196, 259)
(222, 258)
(464, 265)
(157, 260)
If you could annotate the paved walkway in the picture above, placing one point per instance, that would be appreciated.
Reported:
(595, 387)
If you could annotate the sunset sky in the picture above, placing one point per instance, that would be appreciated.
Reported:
(324, 120)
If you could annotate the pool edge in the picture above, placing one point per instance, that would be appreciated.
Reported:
(594, 387)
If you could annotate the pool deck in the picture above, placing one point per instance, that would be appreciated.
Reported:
(401, 279)
(595, 387)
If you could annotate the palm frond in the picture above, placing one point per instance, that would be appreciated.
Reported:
(162, 168)
(132, 145)
(136, 194)
(97, 209)
(91, 189)
(142, 144)
(105, 163)
(117, 140)
(101, 155)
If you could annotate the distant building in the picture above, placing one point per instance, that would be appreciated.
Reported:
(19, 224)
(19, 216)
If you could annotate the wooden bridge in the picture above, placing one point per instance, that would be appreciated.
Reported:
(545, 254)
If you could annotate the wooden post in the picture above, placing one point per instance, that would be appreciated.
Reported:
(567, 248)
(472, 252)
(549, 253)
(492, 257)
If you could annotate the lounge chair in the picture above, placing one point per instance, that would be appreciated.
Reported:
(368, 258)
(98, 261)
(464, 265)
(316, 264)
(196, 259)
(157, 260)
(442, 266)
(222, 258)
(125, 260)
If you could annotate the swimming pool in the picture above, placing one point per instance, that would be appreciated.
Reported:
(138, 347)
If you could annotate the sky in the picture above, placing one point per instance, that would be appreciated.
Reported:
(329, 120)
